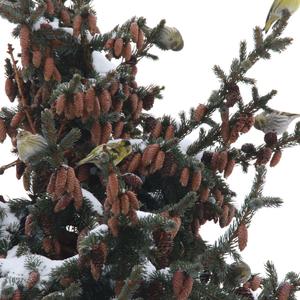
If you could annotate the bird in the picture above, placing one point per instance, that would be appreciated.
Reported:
(167, 38)
(276, 10)
(29, 145)
(239, 272)
(274, 121)
(115, 152)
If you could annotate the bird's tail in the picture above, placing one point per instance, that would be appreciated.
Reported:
(269, 22)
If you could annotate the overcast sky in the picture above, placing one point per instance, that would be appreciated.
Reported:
(212, 33)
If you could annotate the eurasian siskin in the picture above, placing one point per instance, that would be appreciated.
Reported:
(115, 152)
(239, 272)
(277, 7)
(29, 145)
(274, 121)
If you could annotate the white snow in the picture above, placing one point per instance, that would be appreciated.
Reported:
(37, 25)
(9, 221)
(149, 269)
(102, 229)
(67, 29)
(101, 64)
(95, 203)
(142, 214)
(138, 142)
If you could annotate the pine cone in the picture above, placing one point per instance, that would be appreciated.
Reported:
(127, 52)
(222, 161)
(170, 132)
(263, 156)
(118, 47)
(271, 139)
(249, 149)
(28, 225)
(255, 283)
(113, 185)
(61, 180)
(199, 113)
(140, 41)
(196, 180)
(17, 119)
(177, 282)
(77, 195)
(95, 133)
(186, 289)
(229, 168)
(77, 21)
(20, 168)
(184, 176)
(224, 217)
(276, 158)
(71, 180)
(284, 291)
(90, 100)
(170, 166)
(245, 292)
(92, 24)
(33, 279)
(78, 104)
(17, 295)
(62, 203)
(36, 58)
(24, 36)
(148, 102)
(135, 163)
(105, 101)
(219, 197)
(125, 204)
(242, 233)
(50, 7)
(233, 94)
(57, 75)
(134, 31)
(133, 180)
(134, 99)
(65, 16)
(214, 161)
(149, 154)
(137, 113)
(11, 89)
(106, 133)
(157, 130)
(48, 68)
(116, 207)
(25, 58)
(113, 224)
(118, 129)
(159, 161)
(133, 200)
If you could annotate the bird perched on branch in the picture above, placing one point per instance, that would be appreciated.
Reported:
(102, 154)
(274, 121)
(29, 145)
(276, 10)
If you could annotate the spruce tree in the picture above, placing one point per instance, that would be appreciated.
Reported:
(127, 224)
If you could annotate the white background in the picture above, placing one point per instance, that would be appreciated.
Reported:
(212, 32)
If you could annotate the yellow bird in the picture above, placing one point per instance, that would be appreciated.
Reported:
(277, 7)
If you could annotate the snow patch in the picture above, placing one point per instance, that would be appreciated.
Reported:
(94, 202)
(8, 222)
(101, 64)
(42, 20)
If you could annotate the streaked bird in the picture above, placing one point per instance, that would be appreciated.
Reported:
(169, 38)
(276, 10)
(29, 145)
(102, 154)
(274, 121)
(239, 272)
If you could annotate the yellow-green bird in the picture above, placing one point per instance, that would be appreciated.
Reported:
(29, 145)
(277, 7)
(115, 151)
(274, 121)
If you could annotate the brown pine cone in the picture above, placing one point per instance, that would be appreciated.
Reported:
(242, 233)
(77, 21)
(63, 203)
(50, 7)
(224, 217)
(17, 119)
(28, 225)
(133, 180)
(233, 94)
(25, 58)
(276, 158)
(140, 41)
(113, 185)
(105, 101)
(60, 104)
(90, 100)
(148, 102)
(48, 68)
(20, 168)
(33, 279)
(135, 163)
(24, 36)
(222, 161)
(170, 132)
(284, 291)
(118, 129)
(113, 224)
(92, 24)
(255, 282)
(149, 154)
(106, 133)
(134, 31)
(196, 180)
(60, 182)
(116, 207)
(118, 47)
(95, 133)
(36, 58)
(78, 104)
(214, 161)
(134, 99)
(157, 130)
(263, 156)
(127, 52)
(229, 168)
(17, 295)
(65, 16)
(125, 204)
(245, 292)
(199, 112)
(133, 200)
(177, 282)
(10, 89)
(77, 195)
(184, 176)
(187, 288)
(271, 139)
(57, 75)
(249, 149)
(159, 161)
(71, 180)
